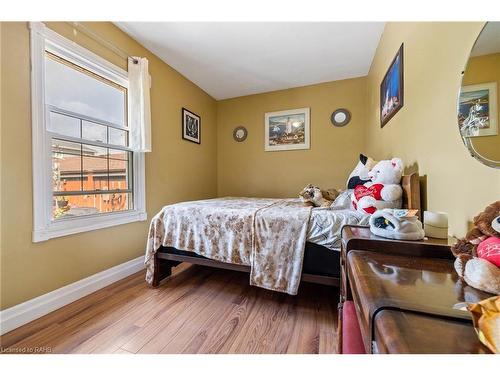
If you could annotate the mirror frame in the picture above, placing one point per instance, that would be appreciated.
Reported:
(478, 156)
(467, 141)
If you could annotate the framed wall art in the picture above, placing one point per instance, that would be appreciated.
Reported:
(191, 126)
(287, 130)
(392, 89)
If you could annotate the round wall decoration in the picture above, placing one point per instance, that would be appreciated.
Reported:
(340, 117)
(240, 133)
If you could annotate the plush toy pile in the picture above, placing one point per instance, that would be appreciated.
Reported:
(313, 196)
(383, 190)
(478, 254)
(371, 186)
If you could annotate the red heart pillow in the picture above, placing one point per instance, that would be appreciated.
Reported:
(489, 249)
(373, 191)
(361, 191)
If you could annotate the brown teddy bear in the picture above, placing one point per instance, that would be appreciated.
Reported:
(478, 253)
(313, 196)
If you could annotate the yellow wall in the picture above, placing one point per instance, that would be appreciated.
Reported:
(424, 132)
(31, 269)
(484, 69)
(245, 169)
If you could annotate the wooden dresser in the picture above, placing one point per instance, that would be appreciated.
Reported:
(403, 293)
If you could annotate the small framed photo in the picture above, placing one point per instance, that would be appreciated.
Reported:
(191, 126)
(287, 130)
(392, 89)
(477, 110)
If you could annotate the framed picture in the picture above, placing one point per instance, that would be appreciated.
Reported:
(287, 130)
(392, 89)
(477, 110)
(191, 126)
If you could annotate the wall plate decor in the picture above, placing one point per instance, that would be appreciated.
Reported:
(340, 117)
(392, 89)
(191, 126)
(287, 130)
(240, 133)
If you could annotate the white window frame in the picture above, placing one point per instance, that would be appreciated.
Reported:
(44, 228)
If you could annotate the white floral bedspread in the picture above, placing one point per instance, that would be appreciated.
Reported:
(269, 235)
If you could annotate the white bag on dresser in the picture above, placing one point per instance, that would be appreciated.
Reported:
(391, 223)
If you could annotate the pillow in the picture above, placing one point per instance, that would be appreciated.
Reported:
(360, 173)
(343, 201)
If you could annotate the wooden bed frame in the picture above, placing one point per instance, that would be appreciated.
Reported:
(163, 262)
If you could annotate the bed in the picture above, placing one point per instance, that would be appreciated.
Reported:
(316, 261)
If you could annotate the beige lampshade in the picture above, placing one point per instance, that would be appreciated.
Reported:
(436, 224)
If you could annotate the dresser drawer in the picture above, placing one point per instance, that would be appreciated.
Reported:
(406, 332)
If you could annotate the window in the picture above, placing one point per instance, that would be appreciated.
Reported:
(86, 175)
(89, 139)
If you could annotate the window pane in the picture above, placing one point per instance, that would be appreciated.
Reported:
(117, 137)
(95, 173)
(118, 154)
(118, 171)
(96, 151)
(64, 125)
(66, 147)
(94, 132)
(74, 89)
(81, 205)
(66, 169)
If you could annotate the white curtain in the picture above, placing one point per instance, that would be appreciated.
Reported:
(139, 108)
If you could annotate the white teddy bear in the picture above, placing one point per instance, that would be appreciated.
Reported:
(383, 190)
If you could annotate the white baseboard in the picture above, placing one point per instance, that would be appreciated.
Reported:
(28, 311)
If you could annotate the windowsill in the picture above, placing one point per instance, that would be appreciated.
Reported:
(65, 227)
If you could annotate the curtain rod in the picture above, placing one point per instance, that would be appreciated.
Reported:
(85, 30)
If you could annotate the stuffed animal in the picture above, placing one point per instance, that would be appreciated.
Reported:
(313, 196)
(360, 173)
(383, 190)
(478, 253)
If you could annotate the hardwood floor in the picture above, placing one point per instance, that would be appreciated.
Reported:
(197, 310)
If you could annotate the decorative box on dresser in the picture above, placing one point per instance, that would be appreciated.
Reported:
(398, 297)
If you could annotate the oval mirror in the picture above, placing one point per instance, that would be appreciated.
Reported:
(478, 100)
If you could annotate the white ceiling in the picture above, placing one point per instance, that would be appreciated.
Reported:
(230, 59)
